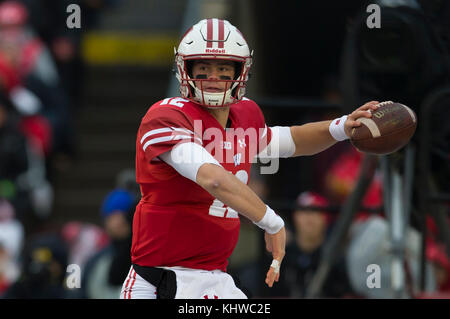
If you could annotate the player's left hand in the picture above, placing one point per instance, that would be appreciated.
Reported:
(276, 245)
(363, 111)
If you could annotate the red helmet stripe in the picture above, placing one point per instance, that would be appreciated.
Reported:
(209, 33)
(221, 33)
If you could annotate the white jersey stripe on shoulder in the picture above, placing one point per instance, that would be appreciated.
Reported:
(169, 138)
(156, 131)
(181, 137)
(182, 130)
(157, 140)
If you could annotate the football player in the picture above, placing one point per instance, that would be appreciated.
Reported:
(193, 160)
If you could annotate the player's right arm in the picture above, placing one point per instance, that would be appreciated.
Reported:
(196, 163)
(231, 191)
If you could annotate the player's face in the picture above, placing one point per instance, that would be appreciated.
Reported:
(214, 75)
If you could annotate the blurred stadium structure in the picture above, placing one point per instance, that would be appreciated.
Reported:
(313, 60)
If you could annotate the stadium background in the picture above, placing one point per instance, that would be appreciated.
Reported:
(305, 69)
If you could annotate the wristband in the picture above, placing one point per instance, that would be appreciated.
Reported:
(337, 128)
(271, 222)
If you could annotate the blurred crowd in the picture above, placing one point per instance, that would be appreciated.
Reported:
(310, 223)
(38, 268)
(41, 70)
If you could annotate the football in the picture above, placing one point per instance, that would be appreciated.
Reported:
(391, 127)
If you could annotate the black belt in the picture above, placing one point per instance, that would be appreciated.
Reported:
(164, 280)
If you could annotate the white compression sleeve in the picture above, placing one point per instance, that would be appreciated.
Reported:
(187, 158)
(281, 144)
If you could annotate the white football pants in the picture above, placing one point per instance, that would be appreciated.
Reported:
(191, 284)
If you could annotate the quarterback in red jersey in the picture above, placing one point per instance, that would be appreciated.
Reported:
(193, 160)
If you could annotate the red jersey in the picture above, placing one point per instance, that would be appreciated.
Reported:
(177, 222)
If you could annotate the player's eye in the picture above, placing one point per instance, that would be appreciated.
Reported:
(225, 69)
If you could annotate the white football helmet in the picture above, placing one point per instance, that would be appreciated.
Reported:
(213, 39)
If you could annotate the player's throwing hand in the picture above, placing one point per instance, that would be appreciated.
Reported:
(363, 111)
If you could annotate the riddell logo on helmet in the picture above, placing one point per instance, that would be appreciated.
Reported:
(215, 50)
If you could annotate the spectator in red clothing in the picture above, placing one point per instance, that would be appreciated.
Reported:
(342, 177)
(441, 265)
(30, 79)
(22, 48)
(83, 240)
(20, 155)
(21, 53)
(436, 254)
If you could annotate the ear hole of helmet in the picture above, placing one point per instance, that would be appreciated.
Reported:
(189, 65)
(237, 69)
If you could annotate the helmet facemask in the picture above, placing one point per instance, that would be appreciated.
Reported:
(194, 88)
